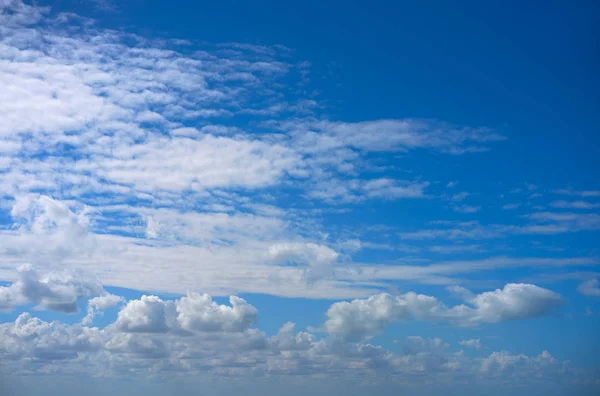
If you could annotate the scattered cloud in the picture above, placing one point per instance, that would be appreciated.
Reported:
(581, 193)
(367, 317)
(590, 288)
(474, 343)
(574, 205)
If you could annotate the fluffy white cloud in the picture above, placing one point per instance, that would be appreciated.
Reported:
(32, 345)
(194, 312)
(366, 317)
(149, 314)
(46, 230)
(504, 362)
(58, 291)
(194, 336)
(198, 312)
(514, 301)
(32, 338)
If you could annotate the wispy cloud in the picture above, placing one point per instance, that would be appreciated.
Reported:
(540, 223)
(581, 193)
(575, 205)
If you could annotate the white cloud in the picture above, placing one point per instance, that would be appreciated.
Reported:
(540, 223)
(100, 303)
(581, 193)
(48, 230)
(36, 346)
(58, 291)
(179, 164)
(196, 312)
(149, 314)
(474, 343)
(519, 365)
(590, 287)
(194, 336)
(388, 135)
(365, 317)
(574, 205)
(393, 189)
(302, 253)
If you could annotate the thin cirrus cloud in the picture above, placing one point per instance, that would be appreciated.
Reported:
(539, 223)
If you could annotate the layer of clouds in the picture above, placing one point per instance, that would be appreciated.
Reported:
(182, 144)
(146, 342)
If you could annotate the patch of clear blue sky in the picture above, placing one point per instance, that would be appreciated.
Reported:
(526, 69)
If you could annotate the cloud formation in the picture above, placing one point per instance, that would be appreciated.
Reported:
(590, 288)
(362, 318)
(57, 291)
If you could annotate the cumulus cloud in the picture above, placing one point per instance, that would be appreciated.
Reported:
(58, 291)
(37, 346)
(504, 362)
(32, 338)
(194, 312)
(100, 303)
(149, 314)
(198, 312)
(366, 317)
(48, 230)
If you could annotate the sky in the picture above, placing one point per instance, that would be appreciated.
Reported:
(209, 198)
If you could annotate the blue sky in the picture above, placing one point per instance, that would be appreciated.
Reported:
(389, 192)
